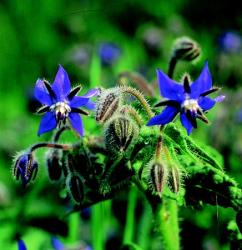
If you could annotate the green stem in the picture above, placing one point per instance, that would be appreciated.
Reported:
(172, 65)
(95, 71)
(74, 225)
(96, 222)
(166, 219)
(145, 227)
(129, 225)
(51, 145)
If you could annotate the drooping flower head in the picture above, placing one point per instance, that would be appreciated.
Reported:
(25, 168)
(61, 103)
(190, 100)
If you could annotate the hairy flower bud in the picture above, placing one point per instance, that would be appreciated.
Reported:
(174, 179)
(54, 165)
(157, 176)
(186, 49)
(75, 187)
(119, 133)
(26, 168)
(107, 104)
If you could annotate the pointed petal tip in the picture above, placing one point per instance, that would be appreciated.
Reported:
(76, 123)
(219, 98)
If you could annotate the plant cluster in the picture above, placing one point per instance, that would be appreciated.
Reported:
(138, 146)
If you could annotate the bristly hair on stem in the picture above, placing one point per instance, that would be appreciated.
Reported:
(136, 93)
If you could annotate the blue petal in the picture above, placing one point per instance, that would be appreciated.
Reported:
(165, 117)
(78, 101)
(206, 103)
(169, 88)
(41, 93)
(219, 98)
(90, 105)
(91, 93)
(76, 122)
(21, 245)
(186, 123)
(48, 123)
(61, 85)
(203, 82)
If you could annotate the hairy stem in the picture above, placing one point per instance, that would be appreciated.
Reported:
(166, 219)
(133, 113)
(140, 97)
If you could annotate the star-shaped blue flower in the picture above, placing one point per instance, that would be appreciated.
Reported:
(61, 103)
(190, 100)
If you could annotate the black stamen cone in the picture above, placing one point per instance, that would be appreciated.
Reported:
(74, 92)
(48, 87)
(79, 111)
(191, 118)
(210, 91)
(186, 84)
(167, 102)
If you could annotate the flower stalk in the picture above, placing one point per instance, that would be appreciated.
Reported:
(51, 145)
(134, 92)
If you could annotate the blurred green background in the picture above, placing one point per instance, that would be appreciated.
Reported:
(36, 36)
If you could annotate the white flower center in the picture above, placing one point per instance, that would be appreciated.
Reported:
(61, 110)
(191, 104)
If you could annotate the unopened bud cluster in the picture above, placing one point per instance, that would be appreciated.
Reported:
(163, 171)
(120, 128)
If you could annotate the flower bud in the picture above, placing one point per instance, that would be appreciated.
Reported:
(75, 187)
(174, 179)
(107, 104)
(186, 49)
(26, 168)
(157, 176)
(54, 165)
(119, 133)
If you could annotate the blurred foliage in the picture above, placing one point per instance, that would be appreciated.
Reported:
(36, 36)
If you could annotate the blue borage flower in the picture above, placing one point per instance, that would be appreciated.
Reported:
(108, 53)
(60, 103)
(190, 101)
(230, 42)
